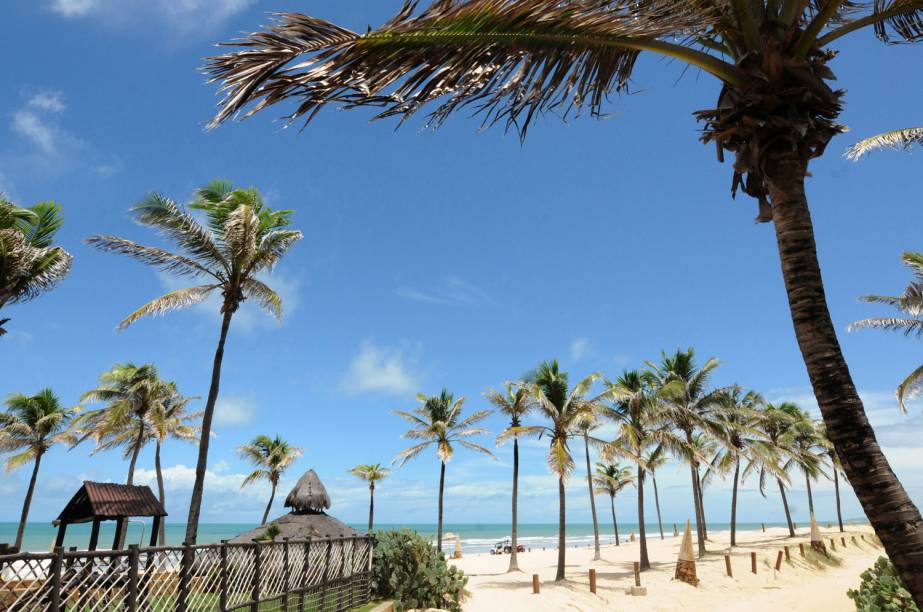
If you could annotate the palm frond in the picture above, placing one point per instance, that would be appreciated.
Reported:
(910, 388)
(152, 256)
(175, 300)
(895, 139)
(268, 299)
(166, 215)
(910, 327)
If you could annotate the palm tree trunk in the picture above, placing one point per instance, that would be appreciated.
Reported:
(195, 502)
(836, 488)
(135, 452)
(657, 503)
(27, 503)
(160, 491)
(615, 523)
(698, 484)
(642, 534)
(734, 503)
(896, 519)
(561, 530)
(700, 535)
(514, 559)
(371, 506)
(788, 515)
(272, 496)
(807, 479)
(589, 482)
(439, 521)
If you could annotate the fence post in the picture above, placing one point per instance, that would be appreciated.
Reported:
(753, 562)
(727, 565)
(592, 581)
(536, 587)
(185, 568)
(286, 583)
(255, 593)
(132, 577)
(57, 563)
(323, 589)
(342, 580)
(788, 555)
(801, 548)
(779, 561)
(223, 568)
(304, 574)
(352, 569)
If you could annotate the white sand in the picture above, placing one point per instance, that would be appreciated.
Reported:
(802, 584)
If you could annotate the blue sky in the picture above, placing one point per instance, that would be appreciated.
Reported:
(451, 258)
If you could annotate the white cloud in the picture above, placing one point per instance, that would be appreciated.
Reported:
(37, 122)
(51, 101)
(183, 16)
(380, 368)
(234, 411)
(579, 349)
(452, 290)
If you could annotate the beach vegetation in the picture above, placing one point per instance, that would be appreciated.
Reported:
(882, 590)
(271, 456)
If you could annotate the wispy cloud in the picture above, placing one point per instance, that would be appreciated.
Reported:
(235, 411)
(37, 121)
(579, 349)
(182, 16)
(382, 369)
(452, 290)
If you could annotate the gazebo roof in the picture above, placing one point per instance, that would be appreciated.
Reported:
(109, 501)
(309, 495)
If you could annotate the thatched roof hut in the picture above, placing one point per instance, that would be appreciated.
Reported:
(308, 519)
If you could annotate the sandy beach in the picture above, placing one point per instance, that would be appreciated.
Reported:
(803, 583)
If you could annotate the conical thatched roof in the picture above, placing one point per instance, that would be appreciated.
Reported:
(309, 495)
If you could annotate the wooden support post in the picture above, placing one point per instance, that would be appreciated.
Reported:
(94, 535)
(323, 591)
(352, 569)
(592, 581)
(764, 527)
(832, 544)
(59, 541)
(342, 570)
(257, 578)
(727, 566)
(155, 531)
(286, 583)
(801, 548)
(118, 539)
(536, 588)
(185, 569)
(854, 541)
(779, 561)
(753, 562)
(637, 568)
(57, 566)
(843, 540)
(132, 577)
(223, 576)
(304, 574)
(788, 555)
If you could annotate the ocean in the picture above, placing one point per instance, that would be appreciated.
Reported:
(475, 537)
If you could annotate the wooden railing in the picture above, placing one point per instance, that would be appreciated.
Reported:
(323, 575)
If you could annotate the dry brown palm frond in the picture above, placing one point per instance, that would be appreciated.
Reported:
(175, 300)
(152, 256)
(268, 299)
(507, 59)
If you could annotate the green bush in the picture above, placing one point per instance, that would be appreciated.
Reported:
(409, 570)
(881, 590)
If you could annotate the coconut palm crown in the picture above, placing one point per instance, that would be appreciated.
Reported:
(240, 238)
(512, 60)
(271, 456)
(29, 264)
(371, 473)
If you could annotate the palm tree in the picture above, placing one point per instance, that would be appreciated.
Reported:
(776, 423)
(587, 423)
(29, 264)
(241, 238)
(911, 304)
(836, 467)
(437, 421)
(654, 460)
(371, 474)
(683, 385)
(735, 424)
(168, 419)
(31, 425)
(515, 403)
(808, 452)
(512, 60)
(272, 456)
(610, 479)
(129, 393)
(895, 139)
(564, 407)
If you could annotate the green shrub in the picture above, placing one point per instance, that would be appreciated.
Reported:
(881, 590)
(409, 570)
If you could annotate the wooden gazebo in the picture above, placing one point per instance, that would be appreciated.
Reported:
(106, 501)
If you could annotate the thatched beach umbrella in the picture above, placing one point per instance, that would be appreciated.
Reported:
(309, 495)
(685, 565)
(816, 542)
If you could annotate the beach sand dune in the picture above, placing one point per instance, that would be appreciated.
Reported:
(803, 583)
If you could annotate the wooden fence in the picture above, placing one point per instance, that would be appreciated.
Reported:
(316, 575)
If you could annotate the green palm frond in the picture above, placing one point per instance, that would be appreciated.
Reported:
(32, 424)
(272, 456)
(910, 388)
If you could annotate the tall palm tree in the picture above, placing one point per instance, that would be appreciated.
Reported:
(272, 456)
(610, 479)
(654, 460)
(585, 424)
(684, 387)
(371, 474)
(168, 419)
(511, 60)
(514, 402)
(437, 421)
(736, 424)
(29, 264)
(909, 303)
(129, 392)
(836, 467)
(30, 426)
(240, 239)
(776, 423)
(894, 139)
(564, 407)
(808, 453)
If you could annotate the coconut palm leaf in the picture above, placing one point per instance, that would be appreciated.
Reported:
(153, 256)
(175, 300)
(895, 139)
(267, 299)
